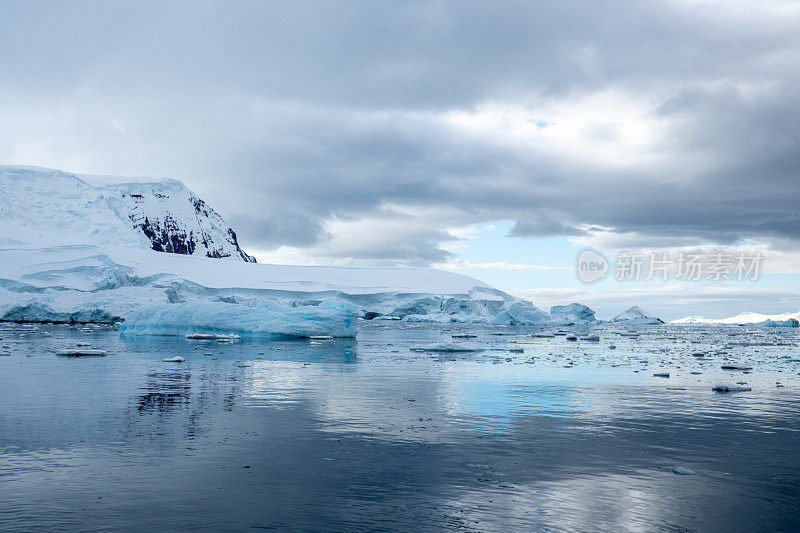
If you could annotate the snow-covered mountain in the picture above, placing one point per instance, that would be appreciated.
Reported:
(42, 207)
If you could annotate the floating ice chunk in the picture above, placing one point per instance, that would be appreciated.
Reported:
(736, 366)
(80, 352)
(176, 359)
(212, 336)
(447, 347)
(730, 387)
(267, 318)
(321, 337)
(683, 471)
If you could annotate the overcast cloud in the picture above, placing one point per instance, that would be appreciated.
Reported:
(366, 130)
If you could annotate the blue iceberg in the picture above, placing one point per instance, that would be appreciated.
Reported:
(270, 319)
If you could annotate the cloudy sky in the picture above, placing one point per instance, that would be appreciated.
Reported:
(496, 139)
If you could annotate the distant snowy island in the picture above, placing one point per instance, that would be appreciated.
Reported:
(757, 319)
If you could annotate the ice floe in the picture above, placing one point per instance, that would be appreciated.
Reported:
(730, 387)
(81, 352)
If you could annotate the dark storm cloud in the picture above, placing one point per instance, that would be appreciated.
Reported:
(290, 115)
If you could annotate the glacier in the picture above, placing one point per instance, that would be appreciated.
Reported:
(111, 284)
(153, 258)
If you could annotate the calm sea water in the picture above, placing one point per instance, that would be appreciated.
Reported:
(365, 435)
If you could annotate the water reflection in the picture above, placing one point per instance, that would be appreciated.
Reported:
(365, 435)
(164, 391)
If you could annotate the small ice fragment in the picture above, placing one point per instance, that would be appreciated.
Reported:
(730, 387)
(176, 359)
(683, 471)
(321, 337)
(736, 366)
(446, 347)
(212, 336)
(81, 353)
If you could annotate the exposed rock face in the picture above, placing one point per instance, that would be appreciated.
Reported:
(176, 221)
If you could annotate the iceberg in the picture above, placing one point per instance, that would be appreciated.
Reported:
(525, 315)
(636, 315)
(791, 323)
(574, 313)
(267, 319)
